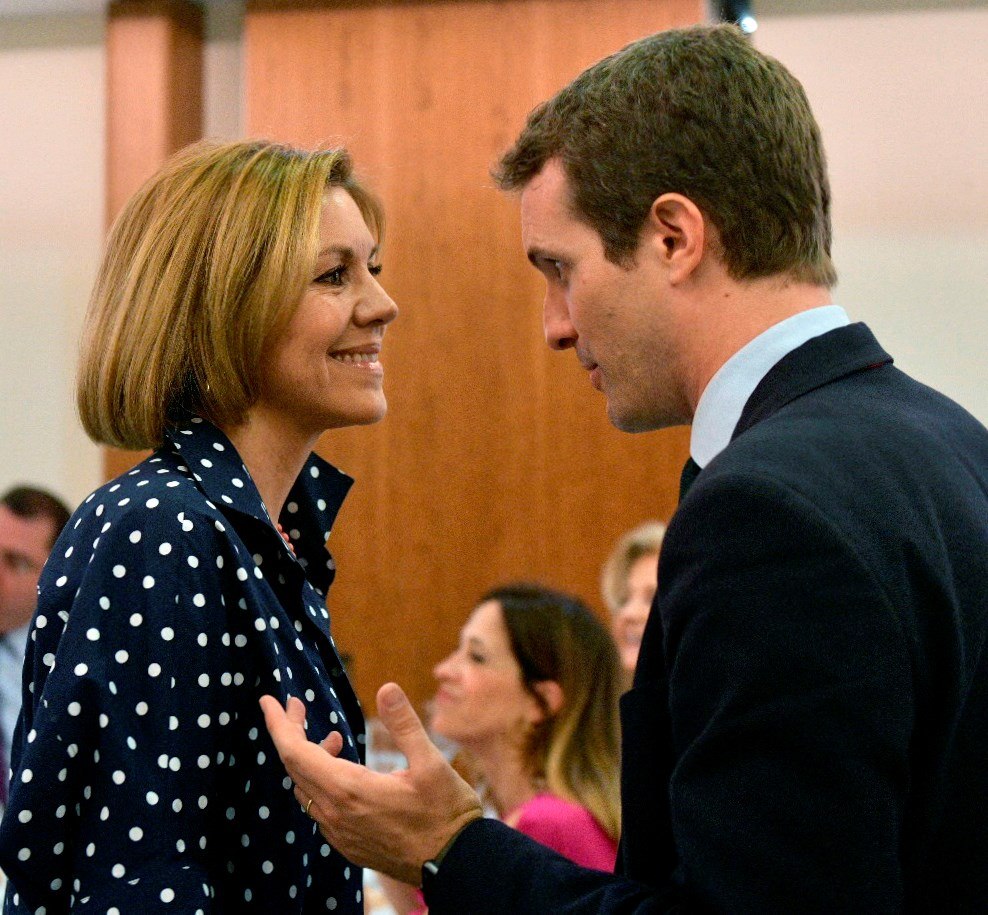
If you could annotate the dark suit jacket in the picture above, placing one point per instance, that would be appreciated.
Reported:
(808, 726)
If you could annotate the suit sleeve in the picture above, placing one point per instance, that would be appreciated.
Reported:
(790, 711)
(492, 868)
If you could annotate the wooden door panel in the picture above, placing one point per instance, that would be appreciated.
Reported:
(496, 461)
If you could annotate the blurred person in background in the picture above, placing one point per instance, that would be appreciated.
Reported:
(30, 521)
(530, 695)
(628, 583)
(236, 317)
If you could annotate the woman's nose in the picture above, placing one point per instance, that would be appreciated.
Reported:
(377, 307)
(443, 670)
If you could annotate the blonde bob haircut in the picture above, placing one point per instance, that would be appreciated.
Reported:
(202, 271)
(644, 540)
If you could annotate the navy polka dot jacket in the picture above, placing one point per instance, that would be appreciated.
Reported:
(143, 777)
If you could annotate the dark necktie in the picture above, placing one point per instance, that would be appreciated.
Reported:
(691, 470)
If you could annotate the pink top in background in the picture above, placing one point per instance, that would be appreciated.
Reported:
(568, 829)
(564, 827)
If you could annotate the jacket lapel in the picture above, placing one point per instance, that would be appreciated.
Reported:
(820, 361)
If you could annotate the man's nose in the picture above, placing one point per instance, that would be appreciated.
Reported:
(559, 331)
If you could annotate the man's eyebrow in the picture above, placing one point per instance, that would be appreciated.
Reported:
(18, 555)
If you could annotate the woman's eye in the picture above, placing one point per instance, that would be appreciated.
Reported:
(477, 658)
(332, 277)
(337, 276)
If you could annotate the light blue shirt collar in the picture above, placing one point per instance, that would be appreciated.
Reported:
(12, 645)
(725, 395)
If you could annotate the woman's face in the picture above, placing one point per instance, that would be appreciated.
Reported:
(323, 371)
(481, 697)
(629, 619)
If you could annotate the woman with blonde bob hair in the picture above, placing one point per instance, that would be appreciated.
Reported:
(236, 317)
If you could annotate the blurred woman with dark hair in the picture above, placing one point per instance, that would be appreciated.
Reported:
(530, 695)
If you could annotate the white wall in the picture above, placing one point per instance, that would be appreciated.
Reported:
(222, 71)
(51, 224)
(52, 189)
(901, 102)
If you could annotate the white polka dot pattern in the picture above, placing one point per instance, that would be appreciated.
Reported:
(144, 777)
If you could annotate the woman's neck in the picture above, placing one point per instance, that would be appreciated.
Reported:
(509, 777)
(274, 452)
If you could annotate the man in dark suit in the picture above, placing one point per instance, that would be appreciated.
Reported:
(808, 726)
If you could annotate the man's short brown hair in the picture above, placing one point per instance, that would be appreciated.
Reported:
(32, 503)
(699, 112)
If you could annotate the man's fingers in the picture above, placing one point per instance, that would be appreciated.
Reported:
(283, 725)
(295, 710)
(398, 716)
(369, 816)
(332, 743)
(313, 767)
(274, 715)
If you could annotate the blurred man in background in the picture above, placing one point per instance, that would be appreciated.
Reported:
(30, 522)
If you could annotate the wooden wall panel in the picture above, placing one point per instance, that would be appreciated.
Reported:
(496, 461)
(154, 106)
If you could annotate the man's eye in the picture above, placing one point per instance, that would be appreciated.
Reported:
(477, 658)
(332, 277)
(374, 269)
(553, 269)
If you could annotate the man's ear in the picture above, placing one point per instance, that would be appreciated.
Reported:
(551, 694)
(678, 232)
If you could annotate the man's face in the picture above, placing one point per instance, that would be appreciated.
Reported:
(24, 546)
(618, 318)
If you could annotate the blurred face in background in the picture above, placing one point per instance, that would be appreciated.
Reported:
(24, 546)
(629, 619)
(482, 698)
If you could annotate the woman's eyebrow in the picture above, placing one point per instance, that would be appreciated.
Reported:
(346, 252)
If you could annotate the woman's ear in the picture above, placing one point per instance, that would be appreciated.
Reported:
(551, 695)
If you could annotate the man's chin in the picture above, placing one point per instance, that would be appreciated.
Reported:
(628, 421)
(636, 418)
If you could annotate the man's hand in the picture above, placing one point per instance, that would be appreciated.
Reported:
(391, 823)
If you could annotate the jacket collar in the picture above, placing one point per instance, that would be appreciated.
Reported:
(818, 362)
(310, 509)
